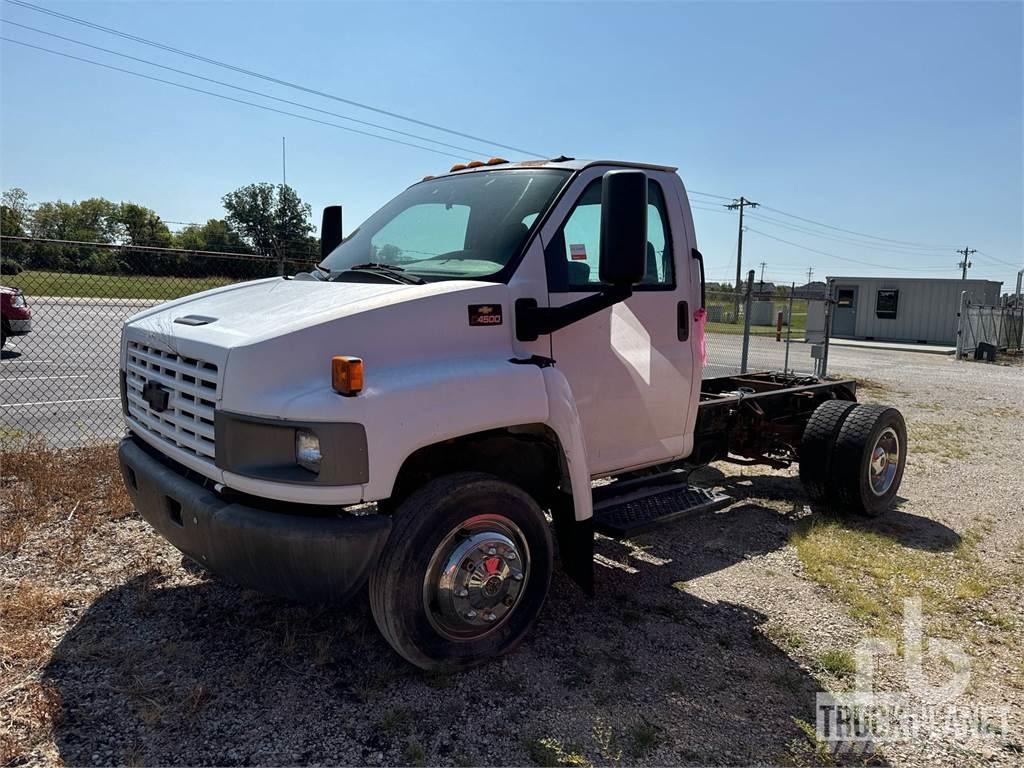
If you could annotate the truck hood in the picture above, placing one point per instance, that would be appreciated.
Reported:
(248, 313)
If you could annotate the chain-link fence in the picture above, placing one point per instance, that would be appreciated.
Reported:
(59, 371)
(762, 328)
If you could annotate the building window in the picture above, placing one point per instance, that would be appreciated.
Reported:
(886, 303)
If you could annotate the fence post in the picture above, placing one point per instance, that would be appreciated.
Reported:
(960, 325)
(829, 303)
(746, 321)
(789, 329)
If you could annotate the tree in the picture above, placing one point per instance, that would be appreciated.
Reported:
(14, 213)
(271, 218)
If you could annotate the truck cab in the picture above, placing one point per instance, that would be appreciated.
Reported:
(454, 372)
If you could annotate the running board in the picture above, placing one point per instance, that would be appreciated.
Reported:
(631, 513)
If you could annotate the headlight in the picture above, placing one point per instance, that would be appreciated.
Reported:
(307, 450)
(18, 300)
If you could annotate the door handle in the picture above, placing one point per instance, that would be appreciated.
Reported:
(683, 321)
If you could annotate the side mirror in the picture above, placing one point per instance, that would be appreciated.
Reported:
(623, 228)
(330, 230)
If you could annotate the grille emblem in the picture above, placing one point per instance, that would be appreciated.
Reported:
(157, 397)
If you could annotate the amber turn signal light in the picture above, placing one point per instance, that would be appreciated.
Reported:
(347, 375)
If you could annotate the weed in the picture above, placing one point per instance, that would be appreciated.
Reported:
(549, 752)
(837, 662)
(397, 721)
(413, 753)
(644, 738)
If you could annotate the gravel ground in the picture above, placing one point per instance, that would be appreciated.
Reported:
(705, 643)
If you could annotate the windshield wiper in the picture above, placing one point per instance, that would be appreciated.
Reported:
(396, 273)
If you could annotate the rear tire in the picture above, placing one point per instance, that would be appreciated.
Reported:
(817, 445)
(464, 572)
(868, 460)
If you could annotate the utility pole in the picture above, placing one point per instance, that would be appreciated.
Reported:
(810, 272)
(284, 183)
(284, 165)
(763, 265)
(965, 264)
(740, 203)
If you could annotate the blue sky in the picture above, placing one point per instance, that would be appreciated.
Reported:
(899, 120)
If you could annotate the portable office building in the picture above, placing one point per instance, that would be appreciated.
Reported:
(915, 310)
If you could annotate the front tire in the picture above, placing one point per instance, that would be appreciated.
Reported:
(464, 573)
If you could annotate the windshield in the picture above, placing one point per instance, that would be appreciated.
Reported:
(467, 226)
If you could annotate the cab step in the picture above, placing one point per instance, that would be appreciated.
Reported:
(627, 514)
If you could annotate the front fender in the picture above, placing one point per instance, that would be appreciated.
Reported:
(564, 419)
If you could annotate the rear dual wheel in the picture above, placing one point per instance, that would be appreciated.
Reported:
(464, 573)
(852, 456)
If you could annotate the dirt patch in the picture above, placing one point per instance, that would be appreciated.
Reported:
(706, 642)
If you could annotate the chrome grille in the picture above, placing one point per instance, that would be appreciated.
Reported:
(192, 387)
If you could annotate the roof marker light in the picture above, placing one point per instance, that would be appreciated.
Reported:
(496, 161)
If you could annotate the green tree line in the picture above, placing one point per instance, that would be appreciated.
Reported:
(260, 220)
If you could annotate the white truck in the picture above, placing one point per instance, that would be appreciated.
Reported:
(422, 410)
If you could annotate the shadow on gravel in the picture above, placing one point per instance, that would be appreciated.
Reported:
(644, 673)
(902, 527)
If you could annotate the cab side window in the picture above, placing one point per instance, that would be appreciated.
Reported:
(573, 255)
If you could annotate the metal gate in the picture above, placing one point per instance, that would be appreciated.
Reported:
(1000, 327)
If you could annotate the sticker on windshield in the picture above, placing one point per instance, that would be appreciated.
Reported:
(485, 314)
(578, 252)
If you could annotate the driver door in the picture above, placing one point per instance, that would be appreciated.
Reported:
(630, 366)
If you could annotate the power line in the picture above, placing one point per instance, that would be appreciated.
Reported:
(843, 258)
(999, 261)
(240, 88)
(707, 194)
(229, 98)
(847, 231)
(268, 78)
(862, 243)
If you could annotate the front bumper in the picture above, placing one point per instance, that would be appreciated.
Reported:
(305, 557)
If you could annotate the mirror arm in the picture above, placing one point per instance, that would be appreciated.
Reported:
(533, 321)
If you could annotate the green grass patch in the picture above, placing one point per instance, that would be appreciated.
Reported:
(837, 662)
(67, 284)
(873, 574)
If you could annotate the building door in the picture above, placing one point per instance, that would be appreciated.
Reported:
(844, 319)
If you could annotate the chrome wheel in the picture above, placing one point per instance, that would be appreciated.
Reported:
(885, 459)
(476, 576)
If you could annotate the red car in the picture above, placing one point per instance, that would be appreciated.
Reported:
(15, 316)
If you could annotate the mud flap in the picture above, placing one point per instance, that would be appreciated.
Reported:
(575, 542)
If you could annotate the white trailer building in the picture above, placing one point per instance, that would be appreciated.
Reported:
(911, 309)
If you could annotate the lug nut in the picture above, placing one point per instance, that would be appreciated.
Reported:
(492, 551)
(470, 614)
(463, 593)
(490, 617)
(510, 555)
(518, 576)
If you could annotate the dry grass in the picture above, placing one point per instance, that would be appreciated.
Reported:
(873, 574)
(51, 503)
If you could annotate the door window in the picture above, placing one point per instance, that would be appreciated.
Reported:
(573, 255)
(844, 297)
